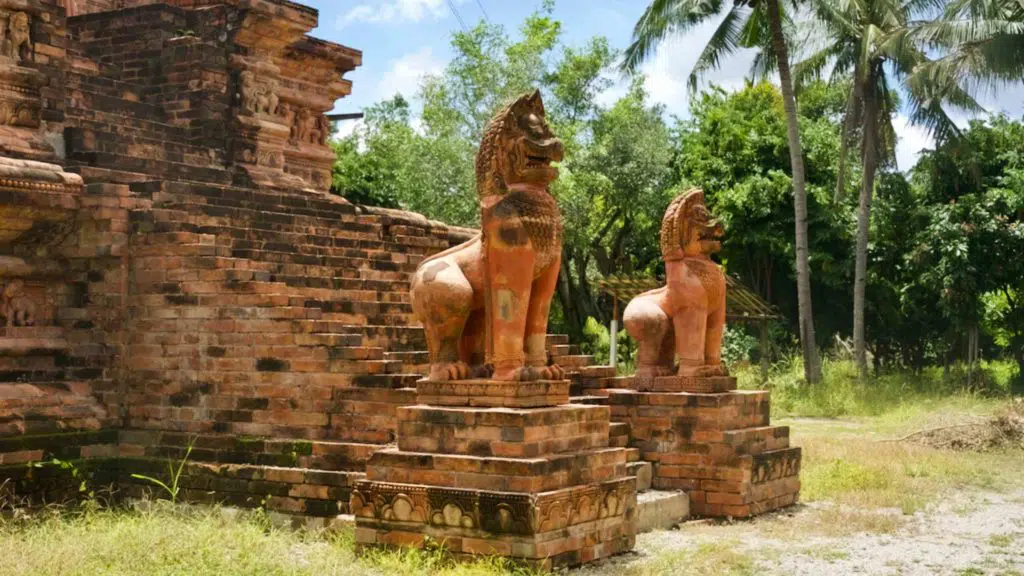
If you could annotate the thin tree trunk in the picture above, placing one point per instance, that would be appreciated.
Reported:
(812, 361)
(849, 124)
(864, 223)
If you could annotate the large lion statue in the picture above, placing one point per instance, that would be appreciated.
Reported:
(685, 318)
(484, 304)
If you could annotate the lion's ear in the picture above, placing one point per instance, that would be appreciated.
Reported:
(535, 101)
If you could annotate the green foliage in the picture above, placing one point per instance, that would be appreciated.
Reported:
(737, 345)
(171, 487)
(842, 394)
(735, 148)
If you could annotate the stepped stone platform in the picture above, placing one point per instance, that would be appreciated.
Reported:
(540, 484)
(719, 447)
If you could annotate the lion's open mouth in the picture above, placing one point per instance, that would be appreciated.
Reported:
(537, 161)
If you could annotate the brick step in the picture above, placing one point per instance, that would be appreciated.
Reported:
(556, 340)
(108, 140)
(370, 415)
(387, 381)
(151, 166)
(98, 93)
(22, 449)
(195, 217)
(32, 341)
(589, 400)
(393, 338)
(48, 407)
(309, 206)
(233, 449)
(572, 362)
(122, 125)
(618, 429)
(559, 349)
(307, 491)
(417, 361)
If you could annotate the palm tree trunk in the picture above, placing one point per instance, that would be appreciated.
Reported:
(850, 123)
(812, 361)
(870, 157)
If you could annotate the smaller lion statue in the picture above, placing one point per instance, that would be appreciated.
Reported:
(15, 306)
(684, 319)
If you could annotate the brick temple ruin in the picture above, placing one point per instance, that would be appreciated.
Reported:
(175, 270)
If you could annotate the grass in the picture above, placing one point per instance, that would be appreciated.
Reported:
(858, 477)
(191, 541)
(894, 396)
(867, 473)
(720, 558)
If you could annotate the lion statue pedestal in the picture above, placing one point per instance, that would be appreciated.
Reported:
(493, 460)
(686, 416)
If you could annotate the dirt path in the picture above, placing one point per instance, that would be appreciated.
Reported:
(968, 533)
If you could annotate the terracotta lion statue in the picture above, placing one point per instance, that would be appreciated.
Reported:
(484, 304)
(685, 318)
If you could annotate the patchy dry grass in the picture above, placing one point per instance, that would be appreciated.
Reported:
(190, 541)
(720, 558)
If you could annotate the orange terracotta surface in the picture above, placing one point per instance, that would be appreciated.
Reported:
(685, 319)
(484, 304)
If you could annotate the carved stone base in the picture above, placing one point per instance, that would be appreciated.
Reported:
(493, 393)
(696, 384)
(538, 485)
(720, 448)
(545, 530)
(503, 432)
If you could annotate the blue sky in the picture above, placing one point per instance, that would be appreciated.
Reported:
(403, 39)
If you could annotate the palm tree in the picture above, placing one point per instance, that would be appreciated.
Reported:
(747, 24)
(984, 39)
(878, 42)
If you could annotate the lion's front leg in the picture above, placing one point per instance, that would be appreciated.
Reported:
(509, 260)
(541, 293)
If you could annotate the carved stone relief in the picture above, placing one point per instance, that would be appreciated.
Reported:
(16, 42)
(19, 113)
(16, 307)
(258, 96)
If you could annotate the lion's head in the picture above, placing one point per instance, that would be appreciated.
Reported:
(517, 149)
(688, 230)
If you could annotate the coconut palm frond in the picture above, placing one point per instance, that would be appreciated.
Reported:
(724, 42)
(661, 19)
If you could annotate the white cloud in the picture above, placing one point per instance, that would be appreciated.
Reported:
(910, 140)
(395, 11)
(666, 74)
(405, 73)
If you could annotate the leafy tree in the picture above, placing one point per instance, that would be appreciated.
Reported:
(747, 24)
(874, 41)
(613, 194)
(735, 147)
(971, 249)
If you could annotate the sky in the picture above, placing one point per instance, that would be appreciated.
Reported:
(402, 40)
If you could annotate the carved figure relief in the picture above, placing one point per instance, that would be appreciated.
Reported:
(685, 318)
(305, 126)
(287, 112)
(17, 38)
(257, 97)
(484, 304)
(19, 113)
(15, 306)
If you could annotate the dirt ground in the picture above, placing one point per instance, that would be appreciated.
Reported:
(970, 533)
